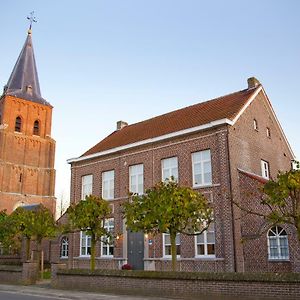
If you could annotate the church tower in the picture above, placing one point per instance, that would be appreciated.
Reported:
(27, 150)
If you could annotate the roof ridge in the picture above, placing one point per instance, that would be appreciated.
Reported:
(179, 109)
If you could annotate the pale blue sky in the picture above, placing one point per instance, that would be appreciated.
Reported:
(104, 61)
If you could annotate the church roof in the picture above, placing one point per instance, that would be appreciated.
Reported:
(203, 115)
(23, 81)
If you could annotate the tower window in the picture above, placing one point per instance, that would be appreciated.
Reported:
(18, 124)
(36, 128)
(268, 132)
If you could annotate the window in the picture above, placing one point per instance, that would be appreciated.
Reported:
(265, 169)
(136, 179)
(86, 186)
(268, 132)
(202, 174)
(278, 243)
(64, 247)
(107, 247)
(169, 167)
(255, 125)
(36, 128)
(18, 124)
(167, 245)
(205, 242)
(85, 244)
(108, 187)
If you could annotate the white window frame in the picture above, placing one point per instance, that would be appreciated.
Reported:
(280, 234)
(136, 172)
(201, 161)
(169, 165)
(85, 242)
(255, 124)
(108, 185)
(86, 186)
(109, 228)
(64, 247)
(205, 243)
(268, 132)
(178, 243)
(265, 171)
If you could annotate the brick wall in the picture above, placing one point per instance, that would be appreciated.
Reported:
(175, 287)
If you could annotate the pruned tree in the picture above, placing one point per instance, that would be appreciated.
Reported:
(89, 216)
(282, 198)
(279, 200)
(168, 208)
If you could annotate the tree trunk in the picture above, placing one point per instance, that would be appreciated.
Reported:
(173, 250)
(27, 247)
(93, 252)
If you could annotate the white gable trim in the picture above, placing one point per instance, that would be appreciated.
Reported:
(153, 140)
(272, 112)
(247, 104)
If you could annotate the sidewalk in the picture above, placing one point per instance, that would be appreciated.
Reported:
(43, 289)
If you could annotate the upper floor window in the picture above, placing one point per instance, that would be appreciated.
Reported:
(85, 244)
(86, 186)
(64, 247)
(108, 185)
(136, 179)
(167, 245)
(169, 168)
(202, 174)
(107, 246)
(265, 169)
(268, 132)
(36, 127)
(18, 124)
(255, 124)
(205, 242)
(278, 243)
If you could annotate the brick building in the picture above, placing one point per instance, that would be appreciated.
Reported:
(27, 174)
(224, 148)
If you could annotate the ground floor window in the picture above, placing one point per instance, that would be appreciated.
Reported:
(167, 245)
(64, 247)
(278, 247)
(107, 246)
(85, 244)
(205, 242)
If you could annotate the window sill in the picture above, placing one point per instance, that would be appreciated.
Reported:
(206, 186)
(279, 260)
(105, 257)
(64, 257)
(83, 257)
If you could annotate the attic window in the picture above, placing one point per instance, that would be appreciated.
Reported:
(36, 127)
(18, 124)
(255, 125)
(268, 132)
(29, 89)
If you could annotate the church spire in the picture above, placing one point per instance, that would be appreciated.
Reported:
(23, 81)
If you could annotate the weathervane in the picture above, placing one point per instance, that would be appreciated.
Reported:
(31, 20)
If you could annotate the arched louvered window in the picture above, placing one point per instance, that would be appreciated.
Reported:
(18, 124)
(278, 246)
(36, 127)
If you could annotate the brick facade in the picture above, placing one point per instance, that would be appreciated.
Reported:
(27, 174)
(233, 146)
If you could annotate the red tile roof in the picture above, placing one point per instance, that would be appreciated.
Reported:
(195, 115)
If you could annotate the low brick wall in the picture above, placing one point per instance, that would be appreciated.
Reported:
(181, 284)
(10, 274)
(10, 260)
(26, 274)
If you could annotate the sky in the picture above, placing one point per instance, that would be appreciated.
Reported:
(103, 61)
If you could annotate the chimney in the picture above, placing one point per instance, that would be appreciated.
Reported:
(253, 83)
(121, 124)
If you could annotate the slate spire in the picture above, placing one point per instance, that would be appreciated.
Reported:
(23, 81)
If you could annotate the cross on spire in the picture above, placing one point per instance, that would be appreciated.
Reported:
(31, 19)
